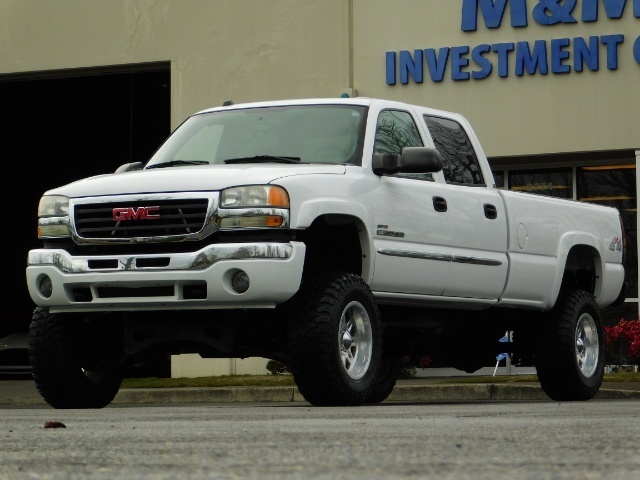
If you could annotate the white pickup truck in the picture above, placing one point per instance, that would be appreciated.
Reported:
(332, 235)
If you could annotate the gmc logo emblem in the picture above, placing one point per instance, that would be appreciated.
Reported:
(141, 213)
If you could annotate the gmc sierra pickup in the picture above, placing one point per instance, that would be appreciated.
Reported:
(333, 235)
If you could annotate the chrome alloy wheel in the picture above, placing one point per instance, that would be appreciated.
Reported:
(587, 345)
(355, 340)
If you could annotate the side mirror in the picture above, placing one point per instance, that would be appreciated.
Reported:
(412, 160)
(127, 167)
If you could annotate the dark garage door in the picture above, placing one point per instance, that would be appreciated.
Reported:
(61, 126)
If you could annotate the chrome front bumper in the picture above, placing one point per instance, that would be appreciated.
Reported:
(176, 281)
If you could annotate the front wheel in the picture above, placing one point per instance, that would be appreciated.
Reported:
(335, 341)
(74, 361)
(390, 364)
(570, 350)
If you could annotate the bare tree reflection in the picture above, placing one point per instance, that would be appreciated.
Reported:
(459, 158)
(395, 131)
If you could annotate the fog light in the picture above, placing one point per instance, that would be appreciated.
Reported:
(45, 287)
(240, 282)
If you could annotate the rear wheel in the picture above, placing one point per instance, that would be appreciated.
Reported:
(335, 340)
(570, 349)
(74, 361)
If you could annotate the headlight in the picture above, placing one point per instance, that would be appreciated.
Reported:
(53, 216)
(53, 206)
(254, 196)
(254, 206)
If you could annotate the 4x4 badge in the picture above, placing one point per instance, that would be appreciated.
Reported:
(616, 244)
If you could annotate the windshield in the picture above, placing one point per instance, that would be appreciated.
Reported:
(291, 134)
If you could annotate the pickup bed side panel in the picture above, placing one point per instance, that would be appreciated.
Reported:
(542, 231)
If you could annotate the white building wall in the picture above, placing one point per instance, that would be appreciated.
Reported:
(244, 50)
(192, 365)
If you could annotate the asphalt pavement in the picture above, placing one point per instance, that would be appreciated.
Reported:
(424, 389)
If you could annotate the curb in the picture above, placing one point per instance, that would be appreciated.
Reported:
(207, 395)
(18, 401)
(401, 393)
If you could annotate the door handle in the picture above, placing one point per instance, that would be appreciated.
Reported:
(490, 211)
(439, 204)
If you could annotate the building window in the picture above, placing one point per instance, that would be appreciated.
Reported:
(555, 182)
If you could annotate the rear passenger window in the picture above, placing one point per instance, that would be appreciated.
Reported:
(394, 131)
(460, 160)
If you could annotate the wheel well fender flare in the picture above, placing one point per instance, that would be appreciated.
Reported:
(570, 242)
(312, 210)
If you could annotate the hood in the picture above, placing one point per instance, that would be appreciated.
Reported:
(188, 179)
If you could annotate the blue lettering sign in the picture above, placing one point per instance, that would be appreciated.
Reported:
(546, 12)
(612, 42)
(492, 12)
(583, 54)
(613, 8)
(411, 66)
(477, 54)
(530, 61)
(503, 50)
(437, 65)
(458, 61)
(390, 60)
(550, 12)
(466, 62)
(559, 54)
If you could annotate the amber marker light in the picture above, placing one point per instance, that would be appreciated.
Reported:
(273, 221)
(278, 197)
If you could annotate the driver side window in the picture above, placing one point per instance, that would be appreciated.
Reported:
(395, 130)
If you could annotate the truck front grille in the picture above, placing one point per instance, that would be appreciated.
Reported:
(171, 217)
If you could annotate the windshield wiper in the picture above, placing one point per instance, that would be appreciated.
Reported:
(173, 163)
(264, 159)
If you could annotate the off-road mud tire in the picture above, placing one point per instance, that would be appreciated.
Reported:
(58, 349)
(387, 376)
(335, 340)
(569, 353)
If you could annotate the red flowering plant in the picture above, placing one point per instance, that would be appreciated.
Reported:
(623, 343)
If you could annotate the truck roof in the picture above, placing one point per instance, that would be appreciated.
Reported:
(364, 101)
